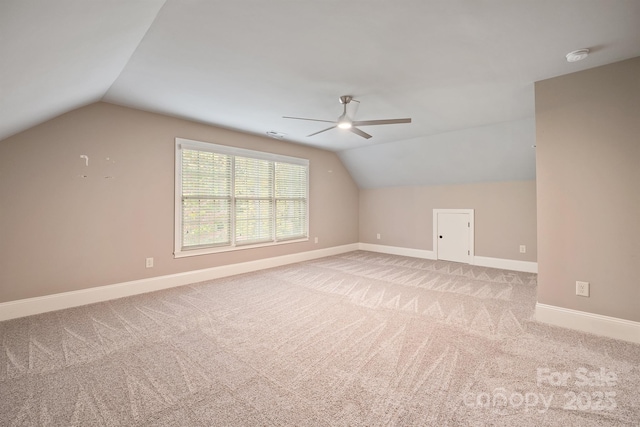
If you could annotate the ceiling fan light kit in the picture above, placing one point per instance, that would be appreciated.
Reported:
(345, 122)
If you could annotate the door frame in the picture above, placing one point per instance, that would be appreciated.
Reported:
(471, 230)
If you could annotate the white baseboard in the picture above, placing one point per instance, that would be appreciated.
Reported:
(395, 250)
(588, 322)
(611, 327)
(37, 305)
(506, 264)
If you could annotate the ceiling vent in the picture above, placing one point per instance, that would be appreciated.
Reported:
(276, 135)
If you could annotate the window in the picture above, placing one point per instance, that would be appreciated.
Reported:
(229, 198)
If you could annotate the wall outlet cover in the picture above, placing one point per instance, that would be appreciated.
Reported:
(582, 288)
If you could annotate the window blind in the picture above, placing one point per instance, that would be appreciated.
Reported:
(206, 199)
(253, 200)
(291, 200)
(231, 198)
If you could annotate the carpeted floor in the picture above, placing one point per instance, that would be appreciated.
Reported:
(359, 339)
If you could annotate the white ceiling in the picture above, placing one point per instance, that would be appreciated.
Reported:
(56, 56)
(463, 70)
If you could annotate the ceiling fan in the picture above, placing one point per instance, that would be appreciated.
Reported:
(345, 122)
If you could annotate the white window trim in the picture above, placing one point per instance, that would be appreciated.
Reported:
(233, 151)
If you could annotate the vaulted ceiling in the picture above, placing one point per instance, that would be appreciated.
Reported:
(463, 70)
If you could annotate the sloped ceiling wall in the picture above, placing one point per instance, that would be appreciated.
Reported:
(462, 70)
(60, 55)
(499, 152)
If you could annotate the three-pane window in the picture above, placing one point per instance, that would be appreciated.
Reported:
(230, 198)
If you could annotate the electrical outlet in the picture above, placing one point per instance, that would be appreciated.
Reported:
(582, 288)
(315, 240)
(378, 236)
(149, 262)
(523, 249)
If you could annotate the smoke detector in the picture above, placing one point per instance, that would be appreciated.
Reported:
(577, 55)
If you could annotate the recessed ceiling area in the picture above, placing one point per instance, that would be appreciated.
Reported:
(463, 70)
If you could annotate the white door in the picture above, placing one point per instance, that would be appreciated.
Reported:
(453, 237)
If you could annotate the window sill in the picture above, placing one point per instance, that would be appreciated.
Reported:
(215, 250)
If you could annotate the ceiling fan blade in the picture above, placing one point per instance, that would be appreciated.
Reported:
(359, 132)
(323, 130)
(381, 122)
(313, 120)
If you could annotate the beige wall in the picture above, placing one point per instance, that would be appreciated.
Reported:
(504, 212)
(588, 174)
(60, 232)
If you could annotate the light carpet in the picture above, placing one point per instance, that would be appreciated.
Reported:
(359, 339)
